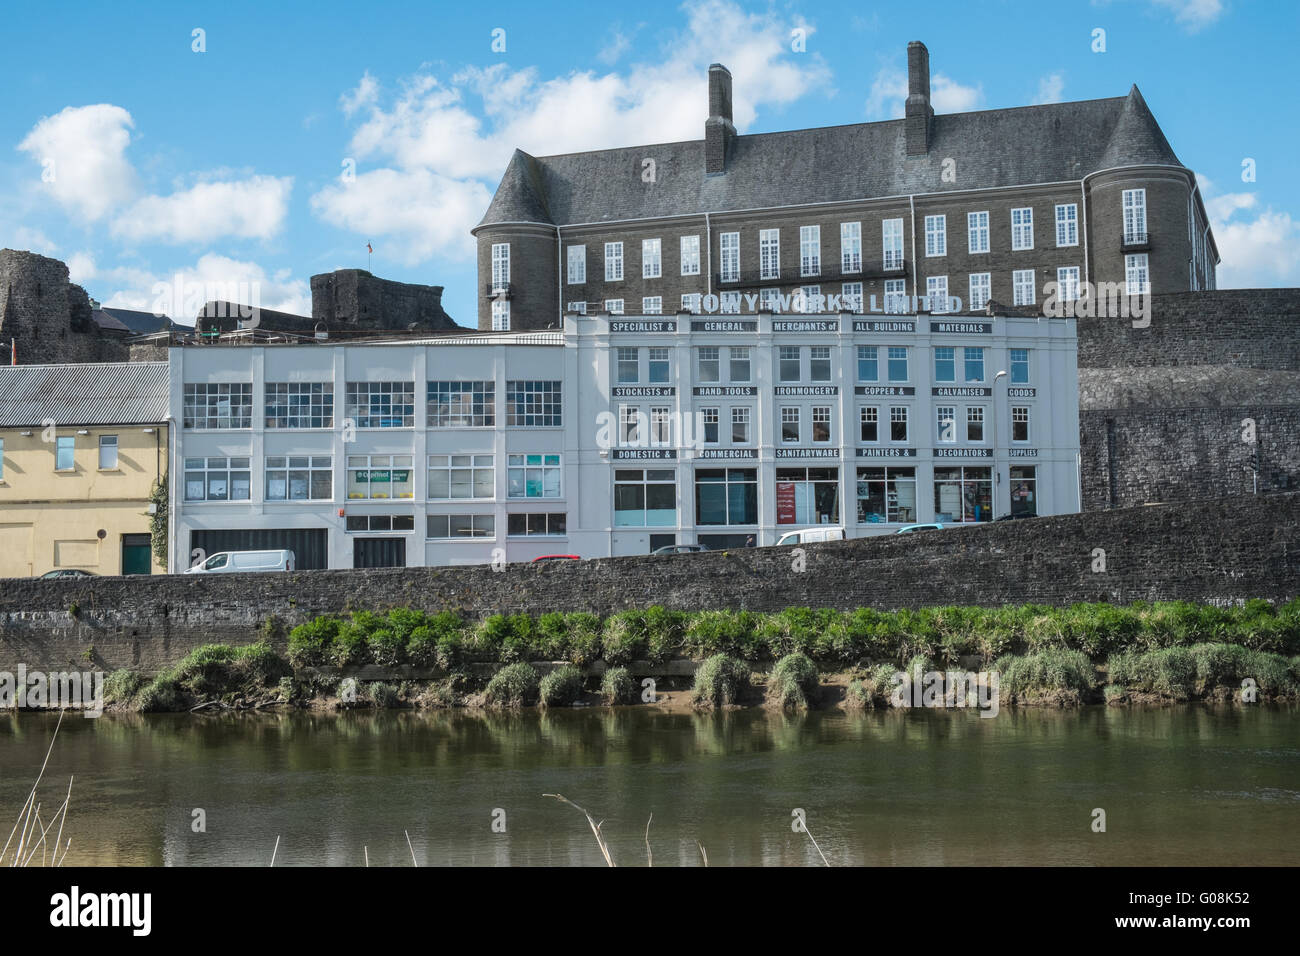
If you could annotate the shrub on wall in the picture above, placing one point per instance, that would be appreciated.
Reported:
(386, 647)
(945, 634)
(312, 644)
(663, 633)
(623, 639)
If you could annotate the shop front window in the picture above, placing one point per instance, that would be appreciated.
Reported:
(1024, 498)
(807, 496)
(726, 496)
(645, 498)
(886, 494)
(963, 495)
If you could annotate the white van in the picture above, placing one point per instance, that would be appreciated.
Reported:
(233, 562)
(811, 535)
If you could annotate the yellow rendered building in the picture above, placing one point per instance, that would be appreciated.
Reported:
(81, 447)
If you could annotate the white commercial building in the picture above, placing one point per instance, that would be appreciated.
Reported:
(620, 434)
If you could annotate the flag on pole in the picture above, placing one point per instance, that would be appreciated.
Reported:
(368, 248)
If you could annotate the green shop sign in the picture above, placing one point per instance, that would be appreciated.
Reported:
(378, 475)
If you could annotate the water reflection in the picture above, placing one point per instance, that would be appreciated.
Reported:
(1179, 785)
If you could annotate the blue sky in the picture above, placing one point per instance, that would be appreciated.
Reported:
(304, 131)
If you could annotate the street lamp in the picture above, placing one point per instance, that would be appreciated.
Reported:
(993, 422)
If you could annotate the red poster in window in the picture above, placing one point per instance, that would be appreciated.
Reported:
(785, 502)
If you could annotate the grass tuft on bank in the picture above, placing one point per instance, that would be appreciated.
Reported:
(515, 685)
(793, 683)
(720, 682)
(213, 672)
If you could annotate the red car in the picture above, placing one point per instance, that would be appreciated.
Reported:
(556, 557)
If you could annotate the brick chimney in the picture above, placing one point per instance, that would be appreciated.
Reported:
(718, 130)
(919, 112)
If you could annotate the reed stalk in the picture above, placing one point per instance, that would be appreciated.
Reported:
(595, 827)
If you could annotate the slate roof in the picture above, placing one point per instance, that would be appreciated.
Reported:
(1056, 142)
(109, 323)
(120, 393)
(139, 323)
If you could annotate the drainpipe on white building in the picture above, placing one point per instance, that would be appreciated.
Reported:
(916, 269)
(708, 242)
(1083, 228)
(174, 477)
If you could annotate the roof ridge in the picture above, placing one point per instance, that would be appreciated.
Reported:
(814, 129)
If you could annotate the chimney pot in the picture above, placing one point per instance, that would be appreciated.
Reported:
(718, 128)
(918, 111)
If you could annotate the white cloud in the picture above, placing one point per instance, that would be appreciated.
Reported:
(82, 152)
(1050, 88)
(888, 94)
(448, 139)
(1258, 250)
(81, 266)
(421, 213)
(888, 97)
(254, 208)
(1222, 208)
(949, 96)
(30, 239)
(364, 95)
(1192, 14)
(614, 48)
(212, 276)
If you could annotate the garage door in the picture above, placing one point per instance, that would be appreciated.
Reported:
(310, 546)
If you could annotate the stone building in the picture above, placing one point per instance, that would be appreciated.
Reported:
(47, 319)
(355, 299)
(1004, 204)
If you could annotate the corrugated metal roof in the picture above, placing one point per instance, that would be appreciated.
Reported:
(119, 393)
(493, 338)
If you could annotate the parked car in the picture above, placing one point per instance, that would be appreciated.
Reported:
(811, 535)
(235, 562)
(680, 549)
(1018, 515)
(66, 573)
(913, 528)
(556, 557)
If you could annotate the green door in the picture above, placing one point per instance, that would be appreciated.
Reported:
(136, 554)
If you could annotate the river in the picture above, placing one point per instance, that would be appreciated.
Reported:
(1185, 785)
